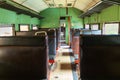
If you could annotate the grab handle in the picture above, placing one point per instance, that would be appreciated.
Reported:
(40, 32)
(51, 29)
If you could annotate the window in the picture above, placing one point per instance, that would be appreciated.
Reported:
(34, 27)
(6, 30)
(24, 27)
(87, 26)
(95, 27)
(111, 28)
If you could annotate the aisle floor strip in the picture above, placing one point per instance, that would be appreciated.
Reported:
(62, 69)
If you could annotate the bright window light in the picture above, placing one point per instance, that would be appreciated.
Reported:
(94, 27)
(6, 30)
(87, 26)
(112, 28)
(24, 27)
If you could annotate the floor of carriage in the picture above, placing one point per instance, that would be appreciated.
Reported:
(64, 67)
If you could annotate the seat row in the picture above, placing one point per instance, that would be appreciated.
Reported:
(28, 54)
(98, 55)
(52, 40)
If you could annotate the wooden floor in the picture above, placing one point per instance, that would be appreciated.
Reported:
(62, 69)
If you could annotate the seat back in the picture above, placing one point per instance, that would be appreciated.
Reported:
(52, 43)
(23, 57)
(100, 57)
(75, 43)
(51, 39)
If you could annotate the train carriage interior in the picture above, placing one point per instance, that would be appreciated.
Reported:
(59, 39)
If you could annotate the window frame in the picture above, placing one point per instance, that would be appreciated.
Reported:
(95, 24)
(13, 28)
(24, 24)
(34, 26)
(85, 26)
(111, 23)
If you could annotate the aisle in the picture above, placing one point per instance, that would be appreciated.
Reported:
(62, 69)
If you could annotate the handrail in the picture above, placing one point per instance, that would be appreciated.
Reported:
(51, 29)
(41, 32)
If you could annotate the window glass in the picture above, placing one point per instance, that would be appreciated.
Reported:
(87, 26)
(6, 30)
(112, 28)
(24, 27)
(94, 27)
(34, 27)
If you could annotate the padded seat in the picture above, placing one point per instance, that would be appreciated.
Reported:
(100, 57)
(23, 58)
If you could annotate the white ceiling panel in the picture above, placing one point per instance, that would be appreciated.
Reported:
(19, 1)
(81, 4)
(60, 3)
(84, 5)
(39, 5)
(91, 4)
(36, 5)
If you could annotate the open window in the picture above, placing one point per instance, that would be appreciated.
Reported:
(24, 27)
(87, 26)
(95, 26)
(7, 30)
(111, 28)
(34, 27)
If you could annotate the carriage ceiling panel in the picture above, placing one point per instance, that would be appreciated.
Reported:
(85, 5)
(39, 5)
(36, 5)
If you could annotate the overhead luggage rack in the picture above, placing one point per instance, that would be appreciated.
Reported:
(99, 7)
(19, 9)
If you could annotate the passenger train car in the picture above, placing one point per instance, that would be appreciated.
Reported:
(59, 40)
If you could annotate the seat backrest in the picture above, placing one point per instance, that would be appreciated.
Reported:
(90, 32)
(51, 38)
(76, 32)
(23, 57)
(57, 38)
(52, 42)
(25, 33)
(30, 33)
(100, 57)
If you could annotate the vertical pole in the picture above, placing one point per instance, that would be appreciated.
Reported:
(66, 10)
(69, 26)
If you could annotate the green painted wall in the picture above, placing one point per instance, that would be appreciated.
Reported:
(66, 31)
(52, 16)
(76, 21)
(94, 18)
(119, 13)
(10, 17)
(110, 14)
(7, 16)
